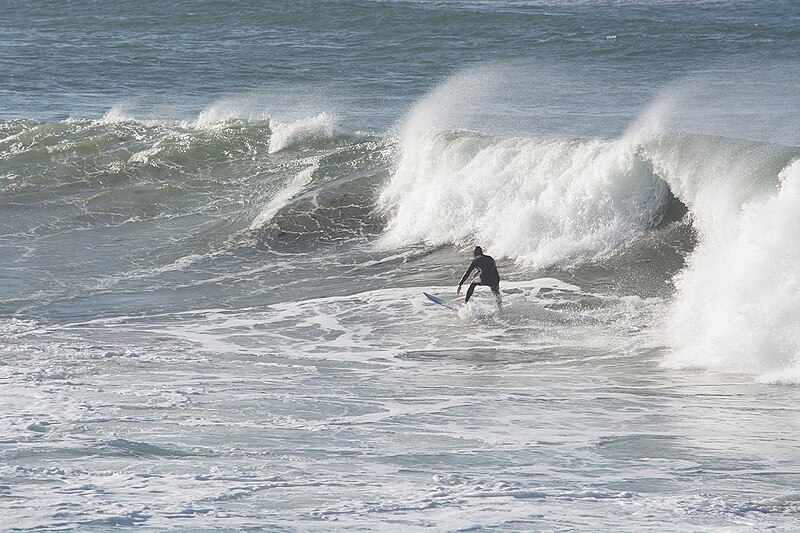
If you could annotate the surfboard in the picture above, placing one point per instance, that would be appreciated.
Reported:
(439, 301)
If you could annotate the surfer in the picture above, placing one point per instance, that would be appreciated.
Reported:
(486, 275)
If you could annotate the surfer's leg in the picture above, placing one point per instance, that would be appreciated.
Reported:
(496, 291)
(470, 291)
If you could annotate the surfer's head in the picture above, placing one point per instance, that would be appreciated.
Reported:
(477, 251)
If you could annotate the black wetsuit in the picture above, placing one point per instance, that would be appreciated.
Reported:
(489, 276)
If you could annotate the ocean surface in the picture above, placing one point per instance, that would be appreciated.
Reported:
(217, 220)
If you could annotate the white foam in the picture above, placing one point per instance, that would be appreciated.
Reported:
(117, 114)
(739, 298)
(540, 202)
(736, 298)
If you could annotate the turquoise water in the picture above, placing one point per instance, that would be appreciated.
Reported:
(217, 221)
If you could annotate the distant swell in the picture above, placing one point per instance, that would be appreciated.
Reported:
(284, 132)
(302, 182)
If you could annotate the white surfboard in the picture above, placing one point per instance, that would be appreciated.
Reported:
(439, 301)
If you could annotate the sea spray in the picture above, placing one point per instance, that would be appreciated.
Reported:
(534, 198)
(285, 135)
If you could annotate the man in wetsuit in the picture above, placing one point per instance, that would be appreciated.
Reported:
(488, 275)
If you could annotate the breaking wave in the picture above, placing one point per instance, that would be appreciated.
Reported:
(540, 202)
(562, 202)
(234, 175)
(738, 300)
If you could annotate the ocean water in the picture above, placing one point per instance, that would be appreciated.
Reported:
(217, 221)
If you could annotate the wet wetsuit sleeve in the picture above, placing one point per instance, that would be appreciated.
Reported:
(470, 269)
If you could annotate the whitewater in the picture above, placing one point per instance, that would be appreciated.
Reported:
(217, 224)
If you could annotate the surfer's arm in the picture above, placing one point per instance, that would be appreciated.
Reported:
(466, 275)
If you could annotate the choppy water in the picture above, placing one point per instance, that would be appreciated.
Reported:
(217, 221)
